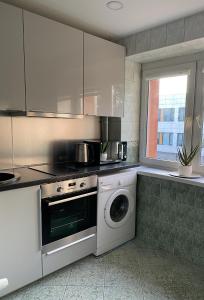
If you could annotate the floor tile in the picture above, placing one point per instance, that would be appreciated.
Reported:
(83, 293)
(19, 294)
(14, 296)
(131, 271)
(122, 293)
(90, 272)
(157, 296)
(122, 275)
(60, 277)
(45, 293)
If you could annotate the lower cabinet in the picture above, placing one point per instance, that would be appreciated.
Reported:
(20, 253)
(64, 257)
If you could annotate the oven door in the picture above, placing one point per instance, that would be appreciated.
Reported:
(70, 217)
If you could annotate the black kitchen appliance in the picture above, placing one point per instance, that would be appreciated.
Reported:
(80, 152)
(68, 212)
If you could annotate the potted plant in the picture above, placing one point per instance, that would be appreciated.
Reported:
(185, 158)
(104, 148)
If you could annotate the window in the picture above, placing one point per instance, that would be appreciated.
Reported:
(166, 115)
(167, 109)
(181, 114)
(164, 92)
(198, 136)
(180, 137)
(165, 138)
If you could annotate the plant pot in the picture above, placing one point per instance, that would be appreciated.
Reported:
(185, 171)
(103, 156)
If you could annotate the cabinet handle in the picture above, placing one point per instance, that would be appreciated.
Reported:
(71, 244)
(72, 198)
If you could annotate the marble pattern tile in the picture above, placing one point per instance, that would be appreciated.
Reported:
(133, 271)
(158, 37)
(194, 26)
(83, 293)
(45, 293)
(170, 217)
(129, 43)
(175, 32)
(122, 293)
(88, 274)
(60, 278)
(143, 41)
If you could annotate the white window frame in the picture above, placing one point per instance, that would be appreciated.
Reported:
(198, 116)
(167, 71)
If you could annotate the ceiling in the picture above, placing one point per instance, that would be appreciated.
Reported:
(94, 17)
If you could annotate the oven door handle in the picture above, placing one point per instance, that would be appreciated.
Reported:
(71, 198)
(69, 245)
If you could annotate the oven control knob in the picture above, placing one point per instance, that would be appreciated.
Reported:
(82, 184)
(59, 189)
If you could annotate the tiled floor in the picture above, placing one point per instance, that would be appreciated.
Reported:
(130, 272)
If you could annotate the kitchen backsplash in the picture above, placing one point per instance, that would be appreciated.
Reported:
(33, 138)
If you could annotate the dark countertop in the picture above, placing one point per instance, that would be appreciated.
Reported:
(30, 177)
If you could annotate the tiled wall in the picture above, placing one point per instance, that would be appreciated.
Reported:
(170, 216)
(179, 31)
(130, 122)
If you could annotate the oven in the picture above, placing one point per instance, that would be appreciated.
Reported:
(69, 210)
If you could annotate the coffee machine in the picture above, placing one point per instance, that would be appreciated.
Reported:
(116, 152)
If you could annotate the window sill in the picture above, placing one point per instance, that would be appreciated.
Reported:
(164, 174)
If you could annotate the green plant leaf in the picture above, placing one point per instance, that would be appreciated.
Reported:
(186, 158)
(104, 146)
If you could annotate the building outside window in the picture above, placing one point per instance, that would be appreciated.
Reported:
(165, 105)
(171, 92)
(165, 138)
(180, 137)
(181, 114)
(166, 114)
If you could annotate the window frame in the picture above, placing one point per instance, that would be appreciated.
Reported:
(167, 71)
(198, 116)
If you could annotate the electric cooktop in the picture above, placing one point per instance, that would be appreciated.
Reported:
(55, 169)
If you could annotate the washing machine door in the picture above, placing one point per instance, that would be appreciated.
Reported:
(118, 208)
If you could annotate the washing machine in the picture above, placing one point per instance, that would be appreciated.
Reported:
(116, 210)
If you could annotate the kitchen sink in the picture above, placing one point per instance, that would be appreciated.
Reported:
(6, 178)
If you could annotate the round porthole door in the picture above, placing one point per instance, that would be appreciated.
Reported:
(118, 208)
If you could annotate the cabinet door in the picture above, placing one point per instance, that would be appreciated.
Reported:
(20, 254)
(54, 66)
(103, 77)
(12, 87)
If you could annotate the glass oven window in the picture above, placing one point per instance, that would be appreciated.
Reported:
(68, 218)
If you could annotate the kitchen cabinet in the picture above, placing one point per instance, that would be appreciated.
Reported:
(103, 77)
(53, 66)
(12, 88)
(20, 253)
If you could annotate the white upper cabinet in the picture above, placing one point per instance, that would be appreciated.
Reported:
(103, 77)
(53, 66)
(12, 88)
